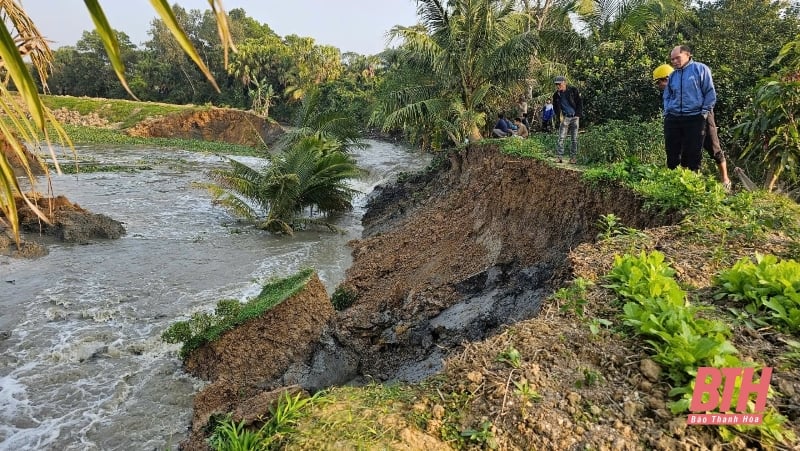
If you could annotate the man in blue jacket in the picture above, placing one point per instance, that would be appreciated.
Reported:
(688, 98)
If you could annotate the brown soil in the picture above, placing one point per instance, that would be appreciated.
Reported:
(245, 365)
(65, 221)
(459, 264)
(433, 235)
(215, 124)
(492, 226)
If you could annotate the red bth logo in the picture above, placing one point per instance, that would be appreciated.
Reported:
(707, 396)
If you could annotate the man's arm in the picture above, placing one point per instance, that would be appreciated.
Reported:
(578, 103)
(708, 90)
(556, 107)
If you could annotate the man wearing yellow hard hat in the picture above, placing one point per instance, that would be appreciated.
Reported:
(711, 143)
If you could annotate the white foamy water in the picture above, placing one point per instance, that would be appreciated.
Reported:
(84, 367)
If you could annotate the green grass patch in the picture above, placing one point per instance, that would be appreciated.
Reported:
(81, 135)
(702, 200)
(204, 328)
(122, 113)
(533, 147)
(368, 417)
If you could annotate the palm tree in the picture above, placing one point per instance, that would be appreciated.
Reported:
(313, 172)
(311, 120)
(28, 119)
(461, 57)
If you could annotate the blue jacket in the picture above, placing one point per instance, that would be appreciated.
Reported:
(502, 124)
(690, 91)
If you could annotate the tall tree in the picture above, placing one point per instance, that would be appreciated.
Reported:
(471, 53)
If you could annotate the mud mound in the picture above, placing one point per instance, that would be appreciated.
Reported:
(71, 117)
(246, 364)
(487, 243)
(215, 124)
(68, 223)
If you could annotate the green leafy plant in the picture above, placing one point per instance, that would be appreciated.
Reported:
(768, 287)
(598, 324)
(284, 416)
(573, 298)
(231, 436)
(483, 436)
(770, 126)
(680, 340)
(590, 378)
(611, 226)
(510, 356)
(525, 391)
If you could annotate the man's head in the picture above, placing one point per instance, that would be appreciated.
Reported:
(518, 120)
(661, 75)
(680, 56)
(561, 83)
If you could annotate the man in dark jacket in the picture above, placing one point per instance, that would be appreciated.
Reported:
(568, 106)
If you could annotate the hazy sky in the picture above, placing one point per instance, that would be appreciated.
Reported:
(351, 25)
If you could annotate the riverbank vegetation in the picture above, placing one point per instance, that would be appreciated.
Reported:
(617, 346)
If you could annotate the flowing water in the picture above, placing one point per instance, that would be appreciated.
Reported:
(84, 367)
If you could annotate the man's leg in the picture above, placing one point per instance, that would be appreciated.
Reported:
(573, 131)
(562, 134)
(694, 133)
(714, 148)
(672, 142)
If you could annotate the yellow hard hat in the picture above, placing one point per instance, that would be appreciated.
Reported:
(662, 71)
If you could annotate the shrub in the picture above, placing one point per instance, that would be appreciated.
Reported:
(343, 297)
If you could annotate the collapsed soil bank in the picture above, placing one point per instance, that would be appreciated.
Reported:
(449, 255)
(452, 254)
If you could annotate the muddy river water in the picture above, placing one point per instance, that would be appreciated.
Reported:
(82, 365)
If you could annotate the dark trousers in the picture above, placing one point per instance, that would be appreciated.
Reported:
(711, 143)
(683, 139)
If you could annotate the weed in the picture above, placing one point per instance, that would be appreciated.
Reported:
(597, 324)
(791, 358)
(611, 226)
(483, 436)
(510, 356)
(590, 378)
(231, 436)
(527, 394)
(343, 297)
(573, 298)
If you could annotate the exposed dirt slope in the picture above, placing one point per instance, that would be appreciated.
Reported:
(215, 124)
(68, 223)
(488, 243)
(245, 365)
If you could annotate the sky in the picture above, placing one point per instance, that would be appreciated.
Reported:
(351, 25)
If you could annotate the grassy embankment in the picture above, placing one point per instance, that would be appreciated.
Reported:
(119, 115)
